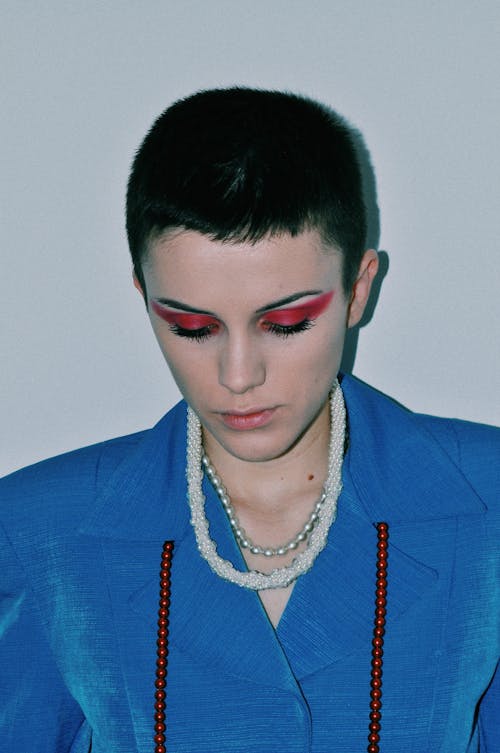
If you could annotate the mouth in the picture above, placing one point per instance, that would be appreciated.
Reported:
(245, 420)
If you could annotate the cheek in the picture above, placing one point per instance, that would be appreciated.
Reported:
(190, 368)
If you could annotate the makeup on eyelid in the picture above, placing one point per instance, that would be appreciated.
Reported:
(291, 315)
(285, 317)
(184, 320)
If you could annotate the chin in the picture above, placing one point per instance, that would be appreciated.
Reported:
(256, 449)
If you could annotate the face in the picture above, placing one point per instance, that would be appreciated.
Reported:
(253, 335)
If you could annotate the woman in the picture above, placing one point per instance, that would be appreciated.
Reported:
(329, 560)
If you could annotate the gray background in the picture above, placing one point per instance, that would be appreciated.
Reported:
(81, 84)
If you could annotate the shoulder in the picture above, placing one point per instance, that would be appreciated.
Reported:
(459, 438)
(58, 491)
(58, 488)
(473, 448)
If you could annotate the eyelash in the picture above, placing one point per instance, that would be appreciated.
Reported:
(192, 334)
(285, 330)
(280, 330)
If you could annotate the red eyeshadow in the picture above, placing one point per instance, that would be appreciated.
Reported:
(184, 320)
(295, 314)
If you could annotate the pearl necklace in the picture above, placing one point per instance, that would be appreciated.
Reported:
(279, 577)
(241, 537)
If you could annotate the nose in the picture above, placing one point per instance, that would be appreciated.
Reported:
(241, 365)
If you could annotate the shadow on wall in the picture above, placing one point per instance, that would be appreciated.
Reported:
(372, 241)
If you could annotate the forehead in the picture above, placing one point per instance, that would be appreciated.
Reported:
(191, 267)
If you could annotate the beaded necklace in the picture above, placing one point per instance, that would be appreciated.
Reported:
(377, 653)
(318, 527)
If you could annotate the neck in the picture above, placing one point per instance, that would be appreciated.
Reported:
(282, 487)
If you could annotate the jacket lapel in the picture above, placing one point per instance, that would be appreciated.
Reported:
(394, 471)
(216, 623)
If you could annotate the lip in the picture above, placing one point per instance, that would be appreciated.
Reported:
(246, 420)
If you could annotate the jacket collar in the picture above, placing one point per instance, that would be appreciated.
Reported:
(395, 470)
(140, 501)
(398, 468)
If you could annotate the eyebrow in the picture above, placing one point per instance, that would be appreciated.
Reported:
(268, 307)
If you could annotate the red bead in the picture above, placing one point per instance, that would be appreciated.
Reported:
(382, 556)
(375, 716)
(373, 737)
(162, 646)
(374, 727)
(376, 704)
(376, 662)
(372, 748)
(376, 694)
(376, 683)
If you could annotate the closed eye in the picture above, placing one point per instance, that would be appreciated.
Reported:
(199, 334)
(193, 326)
(285, 330)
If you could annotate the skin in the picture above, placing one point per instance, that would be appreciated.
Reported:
(273, 464)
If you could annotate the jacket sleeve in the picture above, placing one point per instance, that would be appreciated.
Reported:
(36, 710)
(489, 717)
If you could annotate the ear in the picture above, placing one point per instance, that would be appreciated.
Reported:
(361, 288)
(137, 284)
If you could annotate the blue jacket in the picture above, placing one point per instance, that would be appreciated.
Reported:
(80, 549)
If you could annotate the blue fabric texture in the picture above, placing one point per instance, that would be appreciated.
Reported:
(80, 547)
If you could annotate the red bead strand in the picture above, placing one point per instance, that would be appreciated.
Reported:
(378, 640)
(162, 648)
(377, 644)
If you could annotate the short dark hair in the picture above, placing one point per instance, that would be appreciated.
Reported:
(239, 164)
